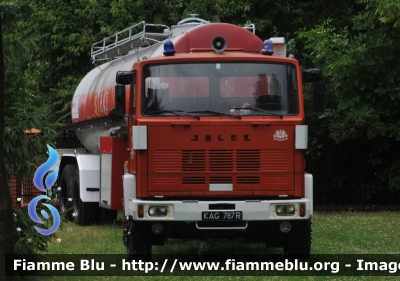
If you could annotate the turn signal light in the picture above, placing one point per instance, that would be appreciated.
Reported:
(302, 210)
(140, 212)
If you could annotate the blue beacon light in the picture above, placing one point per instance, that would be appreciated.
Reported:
(268, 48)
(169, 48)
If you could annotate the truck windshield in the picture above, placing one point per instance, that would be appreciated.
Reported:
(218, 88)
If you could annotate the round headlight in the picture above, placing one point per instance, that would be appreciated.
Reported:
(280, 209)
(162, 210)
(153, 211)
(290, 209)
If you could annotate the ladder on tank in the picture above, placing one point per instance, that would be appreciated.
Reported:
(122, 42)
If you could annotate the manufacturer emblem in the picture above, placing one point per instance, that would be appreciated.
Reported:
(280, 135)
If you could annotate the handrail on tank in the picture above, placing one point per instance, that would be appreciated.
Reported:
(122, 42)
(251, 27)
(103, 47)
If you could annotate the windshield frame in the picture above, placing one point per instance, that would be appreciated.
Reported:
(241, 110)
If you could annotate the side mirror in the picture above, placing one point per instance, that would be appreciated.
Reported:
(312, 75)
(319, 97)
(120, 99)
(124, 77)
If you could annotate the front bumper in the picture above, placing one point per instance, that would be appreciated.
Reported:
(191, 210)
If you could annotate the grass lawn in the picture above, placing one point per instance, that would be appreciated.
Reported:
(333, 233)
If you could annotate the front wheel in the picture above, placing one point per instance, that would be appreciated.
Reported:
(139, 242)
(297, 243)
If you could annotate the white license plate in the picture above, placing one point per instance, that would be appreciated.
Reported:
(222, 216)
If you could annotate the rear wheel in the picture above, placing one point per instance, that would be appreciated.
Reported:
(84, 212)
(66, 193)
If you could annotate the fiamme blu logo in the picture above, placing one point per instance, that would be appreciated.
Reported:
(49, 181)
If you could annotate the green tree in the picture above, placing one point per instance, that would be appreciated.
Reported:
(20, 109)
(360, 67)
(388, 11)
(25, 105)
(6, 221)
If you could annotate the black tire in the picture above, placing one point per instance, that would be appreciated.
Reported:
(67, 190)
(84, 213)
(139, 243)
(297, 243)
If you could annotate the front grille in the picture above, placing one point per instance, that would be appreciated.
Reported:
(193, 180)
(220, 179)
(192, 160)
(211, 166)
(248, 160)
(274, 160)
(248, 180)
(221, 160)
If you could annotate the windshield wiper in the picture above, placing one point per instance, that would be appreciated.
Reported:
(215, 112)
(259, 109)
(176, 112)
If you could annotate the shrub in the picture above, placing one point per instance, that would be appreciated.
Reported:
(29, 244)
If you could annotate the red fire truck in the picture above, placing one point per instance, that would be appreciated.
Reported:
(194, 131)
